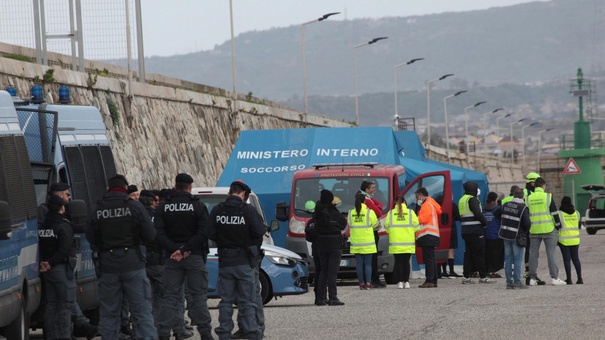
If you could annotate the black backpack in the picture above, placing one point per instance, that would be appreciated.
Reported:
(311, 233)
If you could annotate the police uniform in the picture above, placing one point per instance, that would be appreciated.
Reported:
(57, 249)
(181, 225)
(237, 229)
(117, 227)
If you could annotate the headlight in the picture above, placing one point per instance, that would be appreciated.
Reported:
(280, 259)
(296, 226)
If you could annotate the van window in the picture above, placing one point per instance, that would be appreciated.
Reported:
(435, 185)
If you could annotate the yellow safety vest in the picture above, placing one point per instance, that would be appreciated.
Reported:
(538, 203)
(362, 232)
(507, 199)
(467, 218)
(401, 230)
(569, 234)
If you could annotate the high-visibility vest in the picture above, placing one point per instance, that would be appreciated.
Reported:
(507, 199)
(401, 230)
(431, 228)
(362, 233)
(538, 203)
(569, 234)
(467, 219)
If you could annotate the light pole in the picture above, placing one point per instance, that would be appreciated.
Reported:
(355, 64)
(395, 78)
(523, 140)
(485, 132)
(540, 147)
(302, 32)
(233, 58)
(512, 151)
(466, 119)
(447, 133)
(428, 104)
(498, 130)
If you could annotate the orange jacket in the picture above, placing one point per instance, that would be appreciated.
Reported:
(425, 215)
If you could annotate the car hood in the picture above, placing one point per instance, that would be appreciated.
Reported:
(281, 250)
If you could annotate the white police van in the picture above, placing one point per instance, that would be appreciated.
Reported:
(283, 272)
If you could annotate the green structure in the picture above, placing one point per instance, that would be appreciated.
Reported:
(586, 151)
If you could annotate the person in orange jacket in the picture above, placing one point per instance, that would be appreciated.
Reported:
(428, 235)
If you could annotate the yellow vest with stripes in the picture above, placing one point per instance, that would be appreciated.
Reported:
(538, 203)
(401, 230)
(569, 234)
(361, 230)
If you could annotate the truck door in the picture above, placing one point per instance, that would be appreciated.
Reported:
(439, 186)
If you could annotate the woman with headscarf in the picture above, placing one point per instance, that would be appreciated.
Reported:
(569, 238)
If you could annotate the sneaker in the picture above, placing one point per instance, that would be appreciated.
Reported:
(540, 282)
(406, 285)
(467, 280)
(580, 281)
(558, 282)
(520, 286)
(510, 286)
(335, 303)
(533, 282)
(486, 280)
(400, 285)
(379, 284)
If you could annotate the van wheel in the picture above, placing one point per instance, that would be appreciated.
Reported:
(19, 328)
(591, 231)
(266, 291)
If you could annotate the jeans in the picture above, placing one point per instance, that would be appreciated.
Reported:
(550, 243)
(237, 283)
(363, 267)
(513, 258)
(571, 253)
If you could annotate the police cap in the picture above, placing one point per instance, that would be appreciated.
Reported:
(59, 187)
(147, 193)
(241, 185)
(132, 188)
(183, 178)
(56, 200)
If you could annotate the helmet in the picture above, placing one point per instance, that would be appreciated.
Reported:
(531, 177)
(336, 201)
(310, 206)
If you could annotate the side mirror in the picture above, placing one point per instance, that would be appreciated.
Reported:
(6, 225)
(78, 212)
(281, 211)
(274, 226)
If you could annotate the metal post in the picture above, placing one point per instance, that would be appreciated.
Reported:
(140, 49)
(304, 63)
(44, 60)
(356, 90)
(128, 46)
(447, 134)
(395, 80)
(80, 36)
(72, 32)
(234, 94)
(428, 111)
(37, 31)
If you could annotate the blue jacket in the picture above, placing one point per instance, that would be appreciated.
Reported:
(493, 224)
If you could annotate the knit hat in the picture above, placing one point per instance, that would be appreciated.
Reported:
(326, 196)
(566, 200)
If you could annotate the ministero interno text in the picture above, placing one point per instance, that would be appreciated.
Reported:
(305, 153)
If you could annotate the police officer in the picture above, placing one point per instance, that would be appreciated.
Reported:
(58, 256)
(181, 224)
(117, 228)
(81, 325)
(237, 229)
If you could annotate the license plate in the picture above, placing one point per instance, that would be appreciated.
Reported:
(344, 263)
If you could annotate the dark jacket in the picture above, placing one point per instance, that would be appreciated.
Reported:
(329, 223)
(525, 222)
(56, 246)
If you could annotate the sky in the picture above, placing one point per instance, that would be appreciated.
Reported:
(187, 26)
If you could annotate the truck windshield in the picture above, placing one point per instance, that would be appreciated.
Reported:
(307, 190)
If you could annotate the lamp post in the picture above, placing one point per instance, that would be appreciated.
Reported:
(540, 147)
(302, 32)
(395, 78)
(498, 129)
(355, 65)
(512, 151)
(428, 104)
(466, 119)
(447, 133)
(485, 132)
(523, 141)
(233, 59)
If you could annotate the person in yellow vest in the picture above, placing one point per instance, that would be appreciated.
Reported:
(510, 197)
(427, 236)
(569, 239)
(401, 224)
(530, 186)
(545, 224)
(361, 223)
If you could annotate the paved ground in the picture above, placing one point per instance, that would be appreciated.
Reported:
(454, 310)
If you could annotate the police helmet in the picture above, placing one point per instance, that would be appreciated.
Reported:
(531, 177)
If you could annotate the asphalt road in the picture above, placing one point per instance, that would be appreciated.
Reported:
(453, 310)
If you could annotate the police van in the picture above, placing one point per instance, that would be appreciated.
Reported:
(20, 284)
(283, 272)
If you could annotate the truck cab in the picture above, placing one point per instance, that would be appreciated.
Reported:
(344, 180)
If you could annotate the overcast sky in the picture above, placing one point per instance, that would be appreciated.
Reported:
(185, 26)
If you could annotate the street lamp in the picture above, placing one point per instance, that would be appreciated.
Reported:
(302, 31)
(540, 146)
(523, 139)
(233, 58)
(466, 119)
(498, 129)
(355, 64)
(512, 151)
(485, 131)
(447, 133)
(428, 104)
(395, 78)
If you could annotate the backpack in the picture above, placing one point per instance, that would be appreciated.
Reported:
(311, 233)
